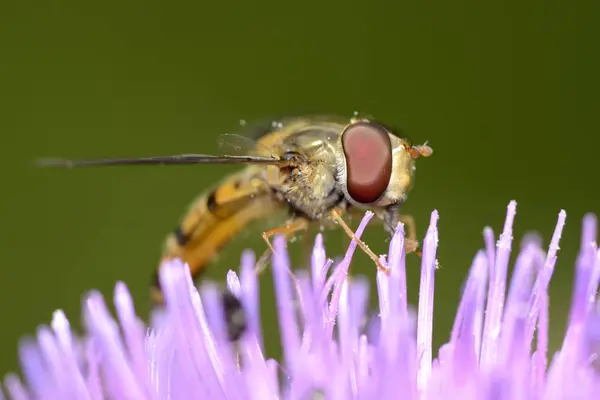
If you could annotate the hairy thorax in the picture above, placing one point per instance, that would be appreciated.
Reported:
(310, 190)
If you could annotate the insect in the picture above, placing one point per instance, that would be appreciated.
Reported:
(316, 169)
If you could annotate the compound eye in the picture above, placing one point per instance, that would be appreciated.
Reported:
(368, 152)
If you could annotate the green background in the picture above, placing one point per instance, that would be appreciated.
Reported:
(505, 92)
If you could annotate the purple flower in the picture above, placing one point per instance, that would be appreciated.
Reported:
(327, 350)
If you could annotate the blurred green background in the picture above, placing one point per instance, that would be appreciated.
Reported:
(505, 92)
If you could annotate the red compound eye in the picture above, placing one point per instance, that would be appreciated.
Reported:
(368, 153)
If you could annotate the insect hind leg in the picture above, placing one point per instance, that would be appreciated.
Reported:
(288, 230)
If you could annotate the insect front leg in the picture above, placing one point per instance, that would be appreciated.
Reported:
(411, 245)
(335, 215)
(390, 220)
(392, 217)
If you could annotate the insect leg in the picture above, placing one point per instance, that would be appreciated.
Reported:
(294, 226)
(336, 217)
(411, 244)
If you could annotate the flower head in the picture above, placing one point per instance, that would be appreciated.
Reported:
(327, 351)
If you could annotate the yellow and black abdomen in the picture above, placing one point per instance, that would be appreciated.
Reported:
(215, 218)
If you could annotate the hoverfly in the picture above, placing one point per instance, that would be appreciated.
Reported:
(316, 169)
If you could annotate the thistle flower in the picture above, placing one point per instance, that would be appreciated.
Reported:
(327, 352)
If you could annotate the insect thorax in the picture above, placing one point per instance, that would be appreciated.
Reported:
(311, 191)
(309, 187)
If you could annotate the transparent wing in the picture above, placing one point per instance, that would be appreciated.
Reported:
(234, 148)
(243, 146)
(182, 159)
(239, 145)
